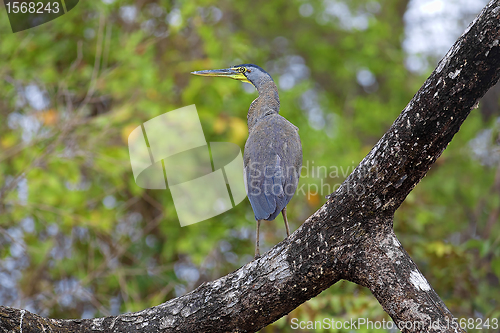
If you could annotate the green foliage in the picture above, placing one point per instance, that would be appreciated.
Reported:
(79, 238)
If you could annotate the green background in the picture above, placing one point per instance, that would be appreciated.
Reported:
(78, 238)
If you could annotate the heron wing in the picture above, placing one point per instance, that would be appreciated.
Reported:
(272, 166)
(265, 185)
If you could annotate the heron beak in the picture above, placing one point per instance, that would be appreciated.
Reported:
(227, 72)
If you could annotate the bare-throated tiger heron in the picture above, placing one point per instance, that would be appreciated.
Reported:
(273, 152)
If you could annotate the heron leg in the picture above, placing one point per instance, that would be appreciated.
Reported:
(286, 222)
(257, 251)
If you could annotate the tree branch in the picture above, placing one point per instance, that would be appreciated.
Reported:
(350, 237)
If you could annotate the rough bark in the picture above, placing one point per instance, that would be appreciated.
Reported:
(350, 237)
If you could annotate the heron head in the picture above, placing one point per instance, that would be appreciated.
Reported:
(247, 73)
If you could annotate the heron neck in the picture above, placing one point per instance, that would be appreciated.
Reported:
(267, 103)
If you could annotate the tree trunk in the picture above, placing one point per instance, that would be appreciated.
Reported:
(350, 237)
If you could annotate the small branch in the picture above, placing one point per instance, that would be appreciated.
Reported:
(97, 61)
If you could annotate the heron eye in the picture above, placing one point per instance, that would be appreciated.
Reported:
(242, 69)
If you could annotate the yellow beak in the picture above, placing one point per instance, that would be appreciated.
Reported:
(227, 72)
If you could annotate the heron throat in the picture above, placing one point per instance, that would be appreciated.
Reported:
(267, 103)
